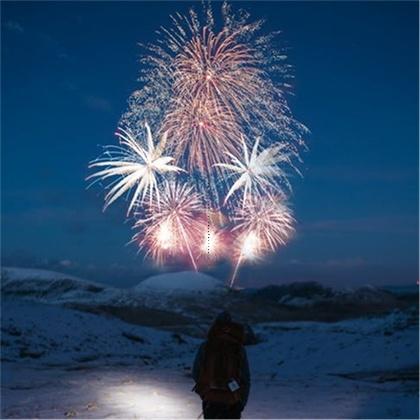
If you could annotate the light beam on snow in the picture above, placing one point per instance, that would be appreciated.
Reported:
(146, 397)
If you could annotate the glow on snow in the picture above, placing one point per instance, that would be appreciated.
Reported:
(219, 176)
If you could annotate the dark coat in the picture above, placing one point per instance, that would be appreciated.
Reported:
(245, 377)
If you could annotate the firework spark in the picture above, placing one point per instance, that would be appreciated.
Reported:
(213, 79)
(213, 245)
(172, 226)
(133, 165)
(262, 225)
(258, 173)
(200, 133)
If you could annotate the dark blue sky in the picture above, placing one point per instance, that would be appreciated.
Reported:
(68, 69)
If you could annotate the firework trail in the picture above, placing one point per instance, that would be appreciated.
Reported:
(262, 225)
(215, 237)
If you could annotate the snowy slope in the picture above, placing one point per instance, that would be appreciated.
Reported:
(54, 335)
(302, 349)
(97, 366)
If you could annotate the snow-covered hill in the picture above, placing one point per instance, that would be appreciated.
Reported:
(54, 287)
(46, 285)
(159, 300)
(184, 282)
(180, 295)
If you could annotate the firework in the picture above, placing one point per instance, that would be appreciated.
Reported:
(262, 225)
(214, 77)
(133, 166)
(208, 87)
(200, 134)
(207, 91)
(258, 172)
(173, 225)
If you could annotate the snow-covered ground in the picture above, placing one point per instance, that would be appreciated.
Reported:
(61, 362)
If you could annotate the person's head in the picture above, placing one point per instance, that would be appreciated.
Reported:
(223, 318)
(224, 326)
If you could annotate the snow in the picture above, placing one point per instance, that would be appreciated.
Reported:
(348, 346)
(180, 282)
(58, 362)
(90, 365)
(59, 289)
(63, 336)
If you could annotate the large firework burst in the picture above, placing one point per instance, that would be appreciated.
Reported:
(207, 92)
(207, 87)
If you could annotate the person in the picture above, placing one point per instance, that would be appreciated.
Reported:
(221, 370)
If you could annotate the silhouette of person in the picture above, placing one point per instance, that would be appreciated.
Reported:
(221, 370)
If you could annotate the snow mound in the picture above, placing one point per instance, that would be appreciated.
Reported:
(181, 282)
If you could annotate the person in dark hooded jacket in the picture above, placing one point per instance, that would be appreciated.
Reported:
(221, 370)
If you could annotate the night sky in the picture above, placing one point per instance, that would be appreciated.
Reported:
(69, 68)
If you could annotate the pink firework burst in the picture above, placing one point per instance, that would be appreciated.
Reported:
(262, 225)
(172, 225)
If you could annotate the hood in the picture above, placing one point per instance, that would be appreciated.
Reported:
(231, 331)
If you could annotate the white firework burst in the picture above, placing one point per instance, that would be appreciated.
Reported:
(134, 166)
(258, 172)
